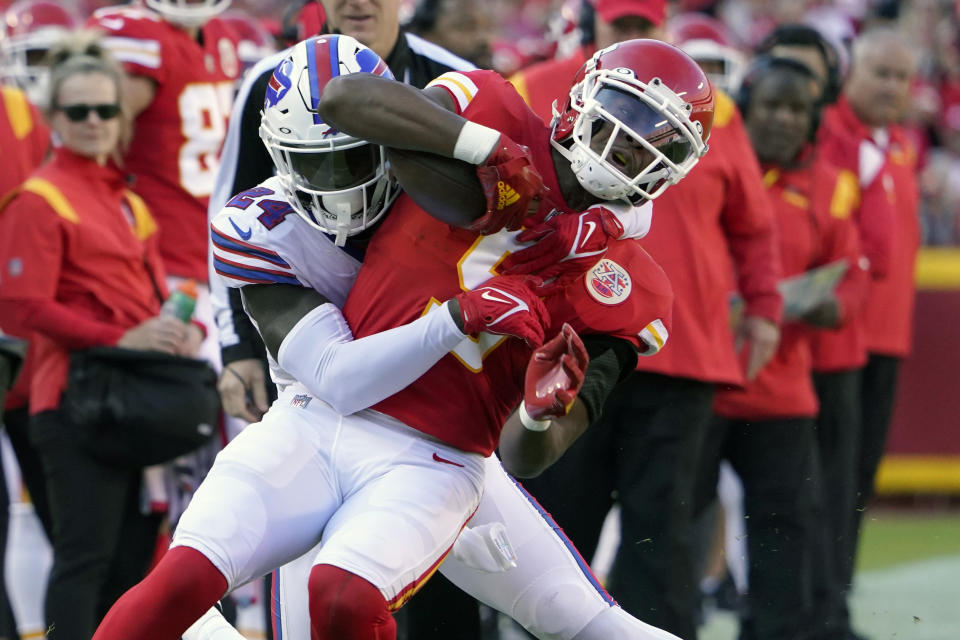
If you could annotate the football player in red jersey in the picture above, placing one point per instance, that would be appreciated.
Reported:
(182, 61)
(633, 158)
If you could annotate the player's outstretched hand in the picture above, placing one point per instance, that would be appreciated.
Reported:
(510, 183)
(553, 379)
(566, 246)
(505, 305)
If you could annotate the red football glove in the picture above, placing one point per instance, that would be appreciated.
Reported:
(508, 306)
(510, 182)
(566, 246)
(554, 376)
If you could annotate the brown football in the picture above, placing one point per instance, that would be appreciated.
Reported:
(446, 188)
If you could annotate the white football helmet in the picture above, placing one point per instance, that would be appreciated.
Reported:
(337, 183)
(188, 13)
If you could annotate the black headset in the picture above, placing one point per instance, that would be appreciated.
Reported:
(805, 36)
(764, 64)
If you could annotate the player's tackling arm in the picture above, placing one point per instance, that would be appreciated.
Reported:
(526, 453)
(310, 339)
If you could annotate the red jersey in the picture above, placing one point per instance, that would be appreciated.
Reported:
(846, 143)
(714, 223)
(75, 236)
(415, 261)
(542, 83)
(888, 317)
(812, 212)
(24, 142)
(177, 138)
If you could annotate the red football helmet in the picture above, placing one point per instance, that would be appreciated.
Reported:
(641, 95)
(31, 28)
(708, 41)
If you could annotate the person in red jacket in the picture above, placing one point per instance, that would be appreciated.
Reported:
(766, 428)
(81, 268)
(646, 448)
(25, 141)
(840, 354)
(874, 100)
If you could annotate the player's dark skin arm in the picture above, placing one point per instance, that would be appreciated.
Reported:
(526, 453)
(390, 113)
(277, 308)
(393, 114)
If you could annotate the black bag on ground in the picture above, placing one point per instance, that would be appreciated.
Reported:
(137, 408)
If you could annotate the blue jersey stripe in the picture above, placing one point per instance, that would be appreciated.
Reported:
(227, 243)
(584, 566)
(252, 274)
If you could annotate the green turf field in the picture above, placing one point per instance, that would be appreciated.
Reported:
(908, 580)
(893, 537)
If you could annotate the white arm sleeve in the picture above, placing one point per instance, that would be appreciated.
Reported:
(635, 220)
(350, 375)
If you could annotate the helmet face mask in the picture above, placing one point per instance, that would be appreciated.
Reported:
(626, 132)
(31, 29)
(188, 13)
(335, 182)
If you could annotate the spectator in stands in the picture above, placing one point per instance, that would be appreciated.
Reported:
(459, 26)
(766, 429)
(80, 269)
(874, 102)
(647, 443)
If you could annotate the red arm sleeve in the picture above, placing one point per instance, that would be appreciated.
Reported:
(31, 250)
(748, 223)
(57, 322)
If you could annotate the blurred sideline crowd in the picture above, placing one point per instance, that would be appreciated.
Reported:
(741, 458)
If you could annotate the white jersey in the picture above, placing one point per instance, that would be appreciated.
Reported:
(258, 238)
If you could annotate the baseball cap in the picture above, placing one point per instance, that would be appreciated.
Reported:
(653, 10)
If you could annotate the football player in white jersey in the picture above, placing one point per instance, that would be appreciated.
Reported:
(533, 574)
(276, 233)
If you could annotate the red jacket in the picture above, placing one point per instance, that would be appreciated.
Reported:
(814, 227)
(717, 221)
(24, 142)
(75, 246)
(846, 143)
(888, 316)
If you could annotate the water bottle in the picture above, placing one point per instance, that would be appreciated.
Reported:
(181, 302)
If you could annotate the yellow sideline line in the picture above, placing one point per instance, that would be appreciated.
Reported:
(938, 268)
(919, 474)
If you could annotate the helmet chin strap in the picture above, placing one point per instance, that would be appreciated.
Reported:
(343, 206)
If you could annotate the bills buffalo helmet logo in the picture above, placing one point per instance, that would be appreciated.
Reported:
(279, 83)
(608, 282)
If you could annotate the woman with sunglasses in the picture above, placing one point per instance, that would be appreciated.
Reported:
(79, 267)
